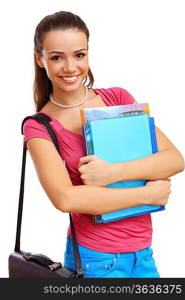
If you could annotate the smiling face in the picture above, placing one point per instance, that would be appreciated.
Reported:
(65, 58)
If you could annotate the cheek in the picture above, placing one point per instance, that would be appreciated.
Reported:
(51, 70)
(84, 66)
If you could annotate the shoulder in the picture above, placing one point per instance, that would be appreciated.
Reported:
(32, 124)
(117, 95)
(32, 128)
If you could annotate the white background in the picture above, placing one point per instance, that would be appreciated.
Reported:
(135, 44)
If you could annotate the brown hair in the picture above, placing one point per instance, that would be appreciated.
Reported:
(61, 20)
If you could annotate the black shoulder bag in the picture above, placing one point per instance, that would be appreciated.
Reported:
(25, 264)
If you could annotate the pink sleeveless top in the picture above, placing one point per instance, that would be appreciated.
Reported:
(121, 236)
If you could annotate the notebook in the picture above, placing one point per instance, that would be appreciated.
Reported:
(122, 139)
(105, 112)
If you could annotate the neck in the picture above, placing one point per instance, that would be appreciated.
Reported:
(68, 98)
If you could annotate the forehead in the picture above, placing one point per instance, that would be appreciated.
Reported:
(64, 40)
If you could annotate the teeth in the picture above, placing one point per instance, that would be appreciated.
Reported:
(70, 78)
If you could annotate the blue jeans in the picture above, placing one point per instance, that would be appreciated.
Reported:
(138, 264)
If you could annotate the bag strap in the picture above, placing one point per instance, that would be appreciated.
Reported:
(45, 120)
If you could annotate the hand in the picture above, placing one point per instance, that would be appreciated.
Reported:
(159, 191)
(94, 170)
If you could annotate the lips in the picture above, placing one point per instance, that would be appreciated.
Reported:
(69, 78)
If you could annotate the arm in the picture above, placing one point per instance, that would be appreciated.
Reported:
(165, 163)
(56, 182)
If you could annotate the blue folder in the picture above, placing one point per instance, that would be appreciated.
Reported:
(119, 140)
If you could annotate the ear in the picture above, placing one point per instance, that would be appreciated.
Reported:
(38, 58)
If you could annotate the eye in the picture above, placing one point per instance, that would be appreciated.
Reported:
(81, 55)
(56, 58)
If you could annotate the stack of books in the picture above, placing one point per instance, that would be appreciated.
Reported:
(119, 134)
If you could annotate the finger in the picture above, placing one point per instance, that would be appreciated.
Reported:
(82, 177)
(85, 160)
(81, 169)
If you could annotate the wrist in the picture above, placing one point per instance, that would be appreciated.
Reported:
(147, 195)
(116, 172)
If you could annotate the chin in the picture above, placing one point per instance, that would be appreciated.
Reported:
(70, 88)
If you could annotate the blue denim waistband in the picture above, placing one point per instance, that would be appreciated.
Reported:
(86, 252)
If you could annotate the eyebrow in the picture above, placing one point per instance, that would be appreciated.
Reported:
(60, 52)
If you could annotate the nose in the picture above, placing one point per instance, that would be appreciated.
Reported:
(69, 66)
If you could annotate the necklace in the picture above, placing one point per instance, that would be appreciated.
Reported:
(72, 105)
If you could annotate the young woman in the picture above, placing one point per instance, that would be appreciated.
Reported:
(116, 249)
